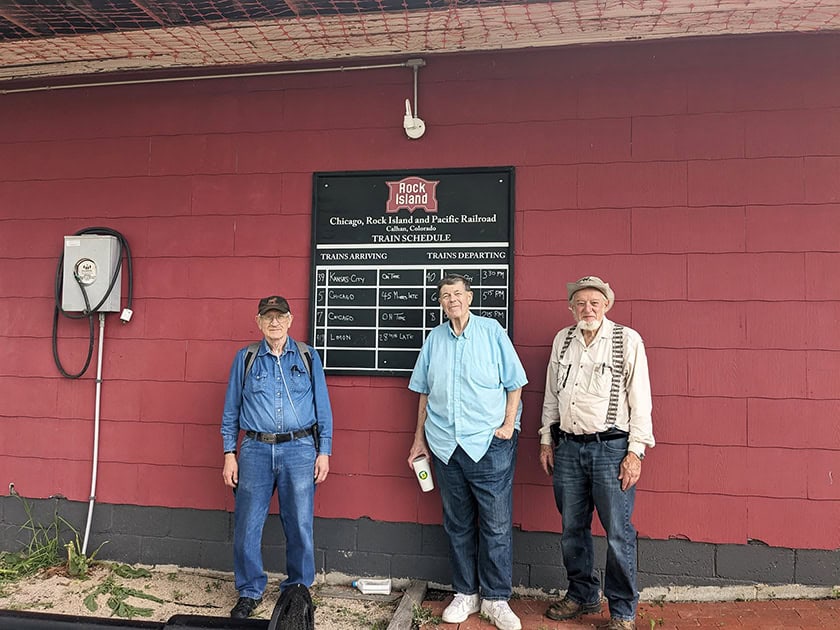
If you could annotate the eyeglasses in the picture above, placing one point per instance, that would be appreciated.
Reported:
(270, 319)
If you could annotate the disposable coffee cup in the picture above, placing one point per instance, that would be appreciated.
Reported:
(423, 472)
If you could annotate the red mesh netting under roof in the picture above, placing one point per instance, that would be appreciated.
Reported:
(40, 39)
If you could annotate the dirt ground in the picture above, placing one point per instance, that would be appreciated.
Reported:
(183, 592)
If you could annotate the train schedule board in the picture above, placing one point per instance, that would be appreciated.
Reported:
(382, 241)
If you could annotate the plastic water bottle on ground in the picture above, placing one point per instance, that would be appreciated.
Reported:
(371, 586)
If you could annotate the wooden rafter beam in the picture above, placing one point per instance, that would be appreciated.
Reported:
(86, 9)
(296, 6)
(14, 14)
(162, 18)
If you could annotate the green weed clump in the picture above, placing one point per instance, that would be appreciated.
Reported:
(42, 551)
(117, 599)
(78, 563)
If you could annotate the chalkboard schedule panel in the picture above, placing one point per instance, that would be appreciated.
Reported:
(382, 241)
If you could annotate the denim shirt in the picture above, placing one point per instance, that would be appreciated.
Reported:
(264, 405)
(467, 378)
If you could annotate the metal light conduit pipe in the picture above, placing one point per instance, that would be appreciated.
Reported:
(415, 65)
(95, 432)
(411, 63)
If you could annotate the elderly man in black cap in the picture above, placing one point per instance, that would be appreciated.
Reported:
(596, 424)
(277, 395)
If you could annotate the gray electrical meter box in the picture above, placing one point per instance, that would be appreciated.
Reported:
(92, 258)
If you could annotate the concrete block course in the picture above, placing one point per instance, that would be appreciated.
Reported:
(676, 557)
(364, 547)
(430, 568)
(536, 547)
(335, 533)
(124, 548)
(394, 538)
(435, 541)
(817, 566)
(274, 555)
(360, 563)
(208, 525)
(144, 521)
(768, 565)
(521, 574)
(320, 561)
(548, 577)
(8, 537)
(14, 512)
(103, 518)
(178, 551)
(219, 555)
(273, 533)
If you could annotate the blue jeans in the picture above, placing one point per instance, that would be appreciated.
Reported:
(290, 468)
(477, 516)
(586, 477)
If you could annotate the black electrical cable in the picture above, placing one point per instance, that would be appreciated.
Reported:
(89, 312)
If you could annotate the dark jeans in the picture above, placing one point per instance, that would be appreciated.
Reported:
(287, 468)
(478, 518)
(586, 477)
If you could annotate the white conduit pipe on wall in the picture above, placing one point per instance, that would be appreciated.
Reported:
(411, 63)
(95, 432)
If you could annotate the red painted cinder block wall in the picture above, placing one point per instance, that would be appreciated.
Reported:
(701, 178)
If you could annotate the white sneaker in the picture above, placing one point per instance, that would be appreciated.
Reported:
(500, 614)
(461, 607)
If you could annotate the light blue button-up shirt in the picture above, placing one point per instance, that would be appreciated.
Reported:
(279, 396)
(466, 378)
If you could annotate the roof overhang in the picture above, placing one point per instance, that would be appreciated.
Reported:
(87, 37)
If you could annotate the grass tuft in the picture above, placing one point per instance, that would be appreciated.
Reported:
(423, 616)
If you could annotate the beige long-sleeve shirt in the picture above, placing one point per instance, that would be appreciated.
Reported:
(577, 387)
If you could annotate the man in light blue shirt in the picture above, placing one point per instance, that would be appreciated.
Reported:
(470, 383)
(282, 406)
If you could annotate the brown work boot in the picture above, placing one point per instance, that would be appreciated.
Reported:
(621, 624)
(569, 609)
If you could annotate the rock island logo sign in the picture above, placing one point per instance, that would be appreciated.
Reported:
(412, 193)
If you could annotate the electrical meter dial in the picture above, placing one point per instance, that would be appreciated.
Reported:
(85, 271)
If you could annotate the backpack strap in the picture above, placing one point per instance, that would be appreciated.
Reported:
(250, 355)
(307, 358)
(307, 362)
(617, 372)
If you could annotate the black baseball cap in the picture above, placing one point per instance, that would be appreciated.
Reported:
(273, 303)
